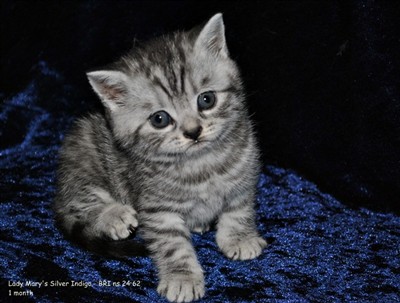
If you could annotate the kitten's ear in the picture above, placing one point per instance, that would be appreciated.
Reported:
(212, 37)
(110, 86)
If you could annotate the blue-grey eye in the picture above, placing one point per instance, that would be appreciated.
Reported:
(160, 119)
(206, 100)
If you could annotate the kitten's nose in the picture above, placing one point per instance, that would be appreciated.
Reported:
(193, 133)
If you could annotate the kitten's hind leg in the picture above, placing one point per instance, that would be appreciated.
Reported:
(201, 229)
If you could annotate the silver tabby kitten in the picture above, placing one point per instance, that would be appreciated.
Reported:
(174, 153)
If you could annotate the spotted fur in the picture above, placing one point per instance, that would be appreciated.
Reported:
(118, 171)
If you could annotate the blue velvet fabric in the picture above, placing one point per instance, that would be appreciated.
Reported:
(320, 250)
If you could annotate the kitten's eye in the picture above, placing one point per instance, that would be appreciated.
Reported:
(206, 100)
(160, 119)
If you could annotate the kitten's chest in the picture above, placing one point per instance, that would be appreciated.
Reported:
(201, 195)
(198, 190)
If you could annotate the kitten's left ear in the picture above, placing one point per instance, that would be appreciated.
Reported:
(212, 37)
(110, 86)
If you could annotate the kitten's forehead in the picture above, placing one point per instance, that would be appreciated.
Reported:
(172, 67)
(164, 62)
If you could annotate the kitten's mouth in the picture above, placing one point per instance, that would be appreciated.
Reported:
(197, 144)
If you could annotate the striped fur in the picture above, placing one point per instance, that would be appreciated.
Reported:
(118, 171)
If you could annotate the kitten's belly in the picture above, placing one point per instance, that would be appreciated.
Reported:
(207, 206)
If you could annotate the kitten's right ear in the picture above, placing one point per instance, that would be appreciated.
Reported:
(110, 86)
(212, 37)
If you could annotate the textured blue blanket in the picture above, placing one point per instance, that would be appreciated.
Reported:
(320, 250)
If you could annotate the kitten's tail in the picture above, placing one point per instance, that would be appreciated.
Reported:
(106, 247)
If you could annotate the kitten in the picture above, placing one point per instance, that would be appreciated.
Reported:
(174, 152)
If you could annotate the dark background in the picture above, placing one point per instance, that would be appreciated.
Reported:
(322, 77)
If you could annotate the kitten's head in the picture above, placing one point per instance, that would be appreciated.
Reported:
(175, 95)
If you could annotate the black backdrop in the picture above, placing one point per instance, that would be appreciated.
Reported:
(322, 77)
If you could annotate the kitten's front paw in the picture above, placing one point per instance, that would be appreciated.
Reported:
(243, 249)
(117, 221)
(182, 288)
